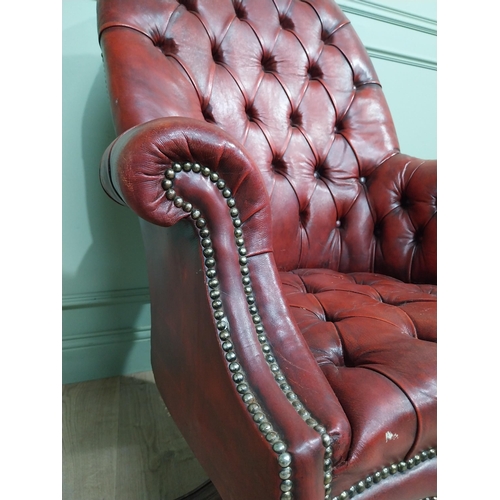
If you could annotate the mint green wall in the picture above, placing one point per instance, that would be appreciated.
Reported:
(105, 298)
(400, 36)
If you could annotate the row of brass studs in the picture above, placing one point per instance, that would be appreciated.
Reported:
(262, 337)
(272, 362)
(238, 376)
(386, 472)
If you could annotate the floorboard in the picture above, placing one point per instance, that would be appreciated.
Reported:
(120, 443)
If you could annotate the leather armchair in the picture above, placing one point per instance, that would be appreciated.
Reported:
(291, 247)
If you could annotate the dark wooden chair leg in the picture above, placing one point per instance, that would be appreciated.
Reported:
(206, 491)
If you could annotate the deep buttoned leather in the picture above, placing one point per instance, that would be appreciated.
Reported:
(304, 98)
(280, 102)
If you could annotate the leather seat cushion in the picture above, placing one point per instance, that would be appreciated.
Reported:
(374, 338)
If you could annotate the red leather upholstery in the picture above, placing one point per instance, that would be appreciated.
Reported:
(293, 298)
(355, 324)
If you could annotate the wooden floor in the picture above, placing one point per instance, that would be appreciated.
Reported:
(120, 443)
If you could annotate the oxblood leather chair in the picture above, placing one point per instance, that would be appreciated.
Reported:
(293, 294)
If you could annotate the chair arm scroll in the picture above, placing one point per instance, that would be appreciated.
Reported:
(134, 165)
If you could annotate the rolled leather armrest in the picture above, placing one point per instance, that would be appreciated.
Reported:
(134, 165)
(171, 169)
(402, 193)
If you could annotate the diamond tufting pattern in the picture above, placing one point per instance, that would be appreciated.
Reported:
(303, 94)
(264, 124)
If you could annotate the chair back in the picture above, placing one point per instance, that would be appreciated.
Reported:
(288, 79)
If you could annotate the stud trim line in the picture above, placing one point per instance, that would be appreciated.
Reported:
(222, 323)
(386, 472)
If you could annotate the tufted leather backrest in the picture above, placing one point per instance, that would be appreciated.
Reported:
(289, 80)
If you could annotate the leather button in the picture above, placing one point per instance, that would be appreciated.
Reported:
(240, 10)
(251, 113)
(191, 5)
(362, 180)
(207, 113)
(278, 164)
(217, 54)
(295, 119)
(338, 223)
(325, 35)
(404, 202)
(286, 23)
(268, 63)
(166, 45)
(418, 236)
(314, 72)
